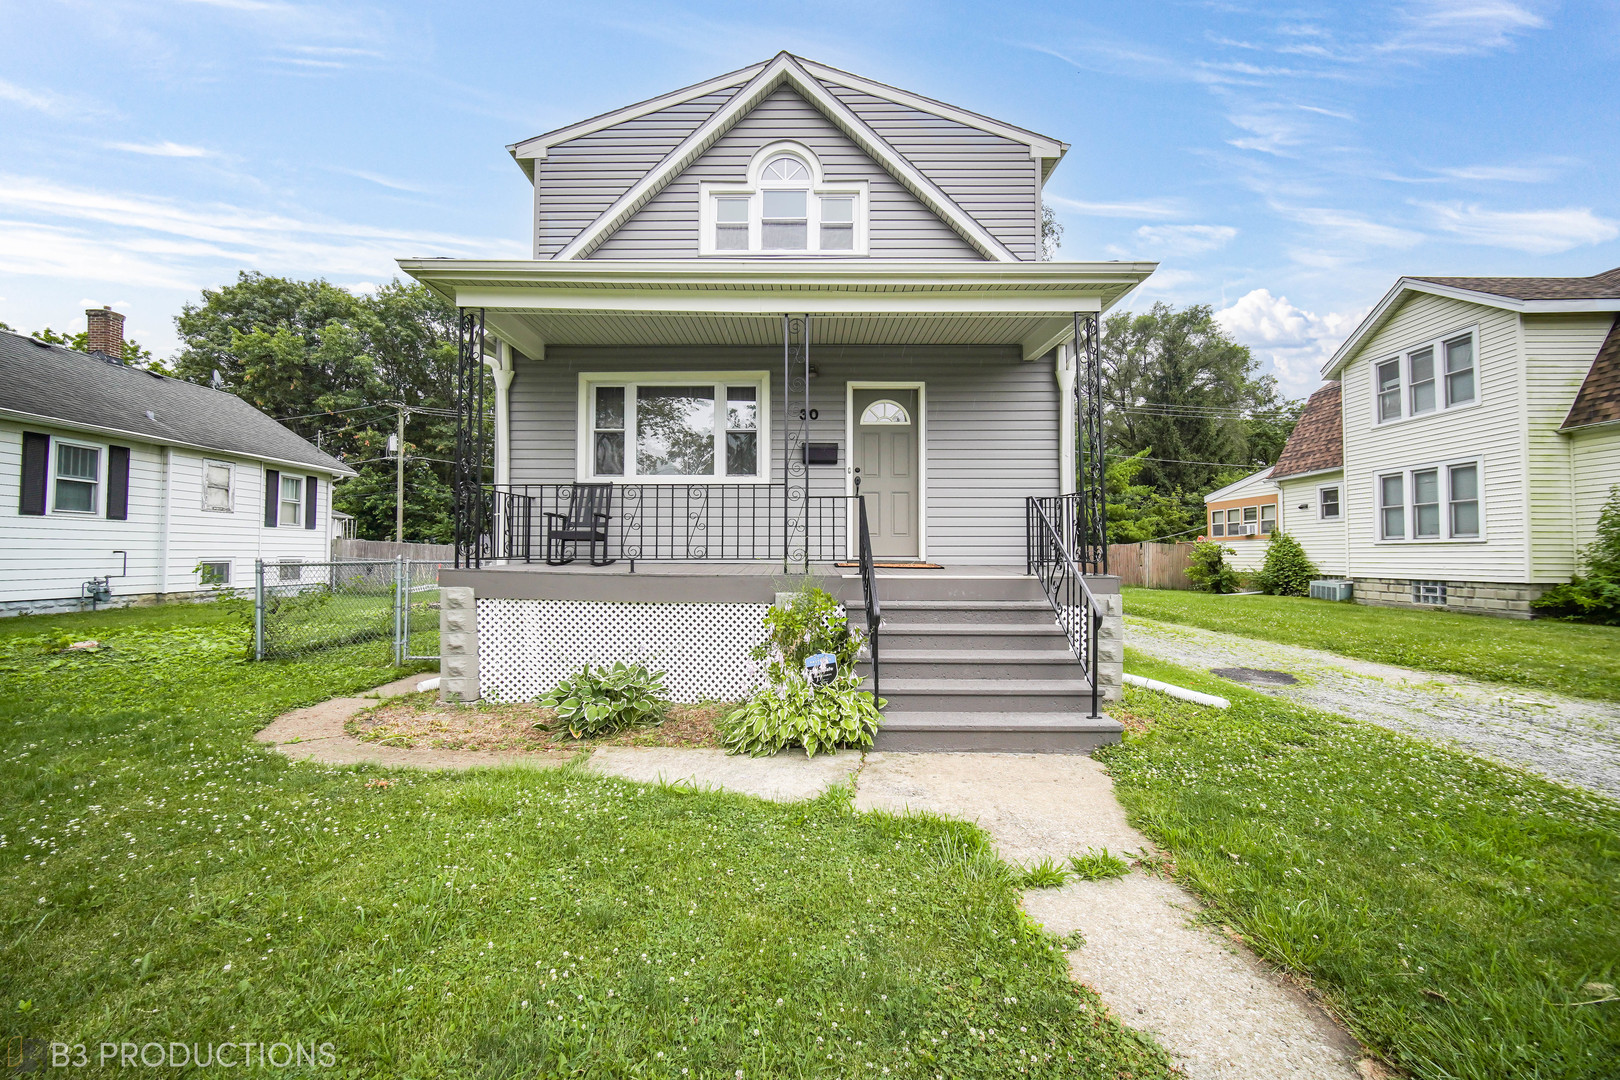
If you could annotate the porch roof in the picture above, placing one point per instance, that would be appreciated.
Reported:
(535, 304)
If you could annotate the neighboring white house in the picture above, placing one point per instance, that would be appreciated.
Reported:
(158, 486)
(1464, 453)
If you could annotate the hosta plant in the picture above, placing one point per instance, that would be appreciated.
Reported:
(790, 712)
(596, 701)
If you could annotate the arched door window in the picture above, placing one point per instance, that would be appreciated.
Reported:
(884, 411)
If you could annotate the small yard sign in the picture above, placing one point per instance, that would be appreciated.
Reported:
(821, 669)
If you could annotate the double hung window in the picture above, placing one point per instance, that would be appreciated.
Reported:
(1431, 377)
(292, 500)
(77, 477)
(1328, 507)
(673, 426)
(1436, 502)
(216, 486)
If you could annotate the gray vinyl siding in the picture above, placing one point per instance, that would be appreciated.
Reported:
(991, 426)
(901, 227)
(581, 178)
(994, 179)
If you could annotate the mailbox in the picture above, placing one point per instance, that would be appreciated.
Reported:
(821, 453)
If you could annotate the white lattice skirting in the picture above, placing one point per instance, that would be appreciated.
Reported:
(525, 647)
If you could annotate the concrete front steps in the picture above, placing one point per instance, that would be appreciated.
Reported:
(977, 663)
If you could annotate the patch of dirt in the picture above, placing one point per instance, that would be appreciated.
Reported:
(1135, 723)
(422, 721)
(1255, 675)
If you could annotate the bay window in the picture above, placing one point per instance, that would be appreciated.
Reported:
(674, 426)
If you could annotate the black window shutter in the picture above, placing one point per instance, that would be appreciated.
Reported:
(312, 499)
(272, 496)
(36, 453)
(118, 483)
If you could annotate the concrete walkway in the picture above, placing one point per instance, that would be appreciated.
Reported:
(1221, 1013)
(1570, 740)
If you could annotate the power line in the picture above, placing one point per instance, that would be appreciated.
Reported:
(1184, 461)
(333, 412)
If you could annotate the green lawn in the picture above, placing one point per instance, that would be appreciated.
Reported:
(1571, 658)
(163, 878)
(1457, 913)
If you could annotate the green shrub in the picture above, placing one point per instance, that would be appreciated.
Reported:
(794, 713)
(1207, 568)
(1045, 874)
(1594, 596)
(808, 623)
(1287, 570)
(1098, 864)
(606, 700)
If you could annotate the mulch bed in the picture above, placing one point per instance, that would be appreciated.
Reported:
(423, 721)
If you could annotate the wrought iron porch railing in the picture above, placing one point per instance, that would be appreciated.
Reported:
(1051, 560)
(683, 522)
(874, 607)
(1073, 519)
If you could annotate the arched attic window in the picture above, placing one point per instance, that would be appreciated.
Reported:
(786, 208)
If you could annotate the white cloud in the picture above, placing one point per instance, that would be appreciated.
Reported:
(163, 149)
(1455, 27)
(1538, 232)
(1156, 209)
(381, 180)
(1186, 239)
(1296, 342)
(1350, 226)
(1508, 174)
(63, 231)
(39, 100)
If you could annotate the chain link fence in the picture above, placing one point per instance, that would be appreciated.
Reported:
(303, 607)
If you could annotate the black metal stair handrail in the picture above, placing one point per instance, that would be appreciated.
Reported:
(1052, 561)
(874, 607)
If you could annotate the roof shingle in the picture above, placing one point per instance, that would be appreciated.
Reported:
(1317, 443)
(55, 383)
(1604, 286)
(1598, 401)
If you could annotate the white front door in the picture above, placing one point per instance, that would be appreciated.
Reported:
(884, 459)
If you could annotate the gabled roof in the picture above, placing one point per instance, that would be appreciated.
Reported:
(1043, 147)
(51, 384)
(1600, 292)
(1598, 401)
(762, 80)
(1317, 441)
(1236, 488)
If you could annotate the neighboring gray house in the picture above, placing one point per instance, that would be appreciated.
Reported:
(755, 305)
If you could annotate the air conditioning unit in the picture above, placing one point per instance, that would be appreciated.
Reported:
(1249, 529)
(1329, 589)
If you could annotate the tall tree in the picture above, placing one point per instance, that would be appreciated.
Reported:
(333, 367)
(1187, 399)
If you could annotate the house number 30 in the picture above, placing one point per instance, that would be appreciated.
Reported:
(815, 414)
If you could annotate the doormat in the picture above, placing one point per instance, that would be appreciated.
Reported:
(885, 564)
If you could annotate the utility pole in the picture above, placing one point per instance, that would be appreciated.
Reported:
(399, 479)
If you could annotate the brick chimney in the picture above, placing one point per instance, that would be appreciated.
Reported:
(106, 332)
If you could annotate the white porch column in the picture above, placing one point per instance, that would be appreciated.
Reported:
(500, 366)
(1065, 365)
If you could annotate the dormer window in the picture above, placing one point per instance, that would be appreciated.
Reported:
(786, 207)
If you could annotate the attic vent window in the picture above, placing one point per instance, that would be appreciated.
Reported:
(786, 207)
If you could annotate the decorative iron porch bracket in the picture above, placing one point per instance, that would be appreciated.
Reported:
(1090, 536)
(795, 439)
(472, 512)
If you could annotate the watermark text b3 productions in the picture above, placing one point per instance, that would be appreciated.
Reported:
(30, 1055)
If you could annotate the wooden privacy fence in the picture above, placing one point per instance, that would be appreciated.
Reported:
(1156, 566)
(388, 549)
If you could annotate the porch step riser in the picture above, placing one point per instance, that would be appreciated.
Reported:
(995, 638)
(991, 741)
(925, 587)
(944, 699)
(984, 666)
(896, 617)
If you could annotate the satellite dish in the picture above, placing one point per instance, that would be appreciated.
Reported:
(218, 380)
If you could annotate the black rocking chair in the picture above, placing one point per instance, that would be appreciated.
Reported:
(590, 508)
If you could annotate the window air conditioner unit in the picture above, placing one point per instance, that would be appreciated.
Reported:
(1249, 529)
(1332, 590)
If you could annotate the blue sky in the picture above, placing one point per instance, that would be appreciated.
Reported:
(1285, 164)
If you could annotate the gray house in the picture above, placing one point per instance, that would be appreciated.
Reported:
(789, 320)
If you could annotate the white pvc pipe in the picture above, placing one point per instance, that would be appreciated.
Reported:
(1178, 692)
(427, 684)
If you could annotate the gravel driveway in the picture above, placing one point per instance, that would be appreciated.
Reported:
(1569, 740)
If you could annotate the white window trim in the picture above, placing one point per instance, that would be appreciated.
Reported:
(215, 562)
(100, 496)
(1320, 488)
(1404, 364)
(230, 488)
(819, 186)
(281, 501)
(1408, 494)
(585, 461)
